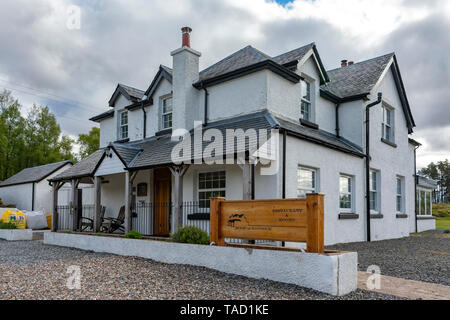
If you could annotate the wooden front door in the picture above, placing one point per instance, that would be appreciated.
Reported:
(162, 205)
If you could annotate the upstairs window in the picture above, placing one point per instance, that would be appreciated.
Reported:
(388, 123)
(346, 193)
(306, 100)
(210, 184)
(373, 181)
(306, 181)
(123, 130)
(399, 199)
(166, 121)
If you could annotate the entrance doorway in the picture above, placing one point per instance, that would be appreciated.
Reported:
(162, 204)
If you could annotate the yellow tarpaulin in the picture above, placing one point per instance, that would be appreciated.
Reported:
(17, 218)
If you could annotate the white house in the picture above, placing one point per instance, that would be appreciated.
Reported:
(317, 118)
(29, 189)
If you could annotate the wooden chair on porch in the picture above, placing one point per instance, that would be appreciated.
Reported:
(111, 225)
(88, 223)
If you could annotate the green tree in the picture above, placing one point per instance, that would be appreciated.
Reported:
(12, 129)
(65, 147)
(440, 172)
(89, 143)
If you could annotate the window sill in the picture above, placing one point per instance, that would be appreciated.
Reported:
(389, 143)
(163, 132)
(401, 216)
(376, 216)
(348, 216)
(426, 218)
(309, 124)
(122, 140)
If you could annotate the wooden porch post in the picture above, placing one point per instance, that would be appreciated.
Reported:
(247, 181)
(97, 203)
(74, 204)
(55, 216)
(129, 178)
(178, 172)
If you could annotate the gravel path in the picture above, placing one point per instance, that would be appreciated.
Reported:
(424, 257)
(32, 270)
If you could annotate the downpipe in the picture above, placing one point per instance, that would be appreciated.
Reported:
(380, 96)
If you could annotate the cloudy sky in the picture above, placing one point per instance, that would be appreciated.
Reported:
(74, 71)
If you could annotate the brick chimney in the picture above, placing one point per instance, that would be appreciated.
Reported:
(186, 37)
(185, 73)
(343, 63)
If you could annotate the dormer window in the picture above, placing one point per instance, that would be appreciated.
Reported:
(166, 121)
(123, 130)
(306, 100)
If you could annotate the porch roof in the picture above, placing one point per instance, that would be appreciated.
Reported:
(157, 151)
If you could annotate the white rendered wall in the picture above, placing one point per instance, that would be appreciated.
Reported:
(243, 95)
(351, 121)
(330, 165)
(154, 111)
(391, 162)
(44, 192)
(108, 129)
(20, 195)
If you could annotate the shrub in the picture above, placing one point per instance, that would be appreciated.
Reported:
(191, 235)
(7, 225)
(133, 235)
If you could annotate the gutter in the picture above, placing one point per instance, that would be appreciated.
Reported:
(416, 182)
(337, 120)
(380, 96)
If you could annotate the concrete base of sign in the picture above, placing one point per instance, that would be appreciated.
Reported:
(333, 273)
(16, 234)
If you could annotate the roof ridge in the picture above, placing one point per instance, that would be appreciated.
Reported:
(290, 51)
(130, 87)
(364, 61)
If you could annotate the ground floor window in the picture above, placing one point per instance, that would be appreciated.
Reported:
(399, 197)
(346, 193)
(210, 185)
(373, 190)
(306, 181)
(424, 202)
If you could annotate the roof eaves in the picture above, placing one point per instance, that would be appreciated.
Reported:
(102, 116)
(266, 64)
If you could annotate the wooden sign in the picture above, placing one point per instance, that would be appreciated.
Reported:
(295, 220)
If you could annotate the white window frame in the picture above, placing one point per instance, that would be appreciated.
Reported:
(314, 189)
(428, 206)
(349, 193)
(400, 195)
(376, 190)
(219, 189)
(164, 114)
(305, 101)
(391, 125)
(123, 125)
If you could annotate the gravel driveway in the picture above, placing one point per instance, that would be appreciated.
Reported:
(423, 257)
(32, 270)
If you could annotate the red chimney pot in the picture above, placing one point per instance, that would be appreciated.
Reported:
(351, 63)
(186, 37)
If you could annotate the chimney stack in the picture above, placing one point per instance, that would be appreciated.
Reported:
(186, 37)
(343, 63)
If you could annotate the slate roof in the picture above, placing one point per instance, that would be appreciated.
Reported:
(126, 152)
(240, 59)
(84, 168)
(296, 54)
(133, 92)
(34, 174)
(356, 79)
